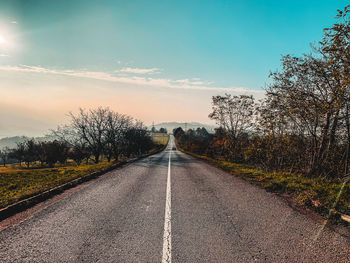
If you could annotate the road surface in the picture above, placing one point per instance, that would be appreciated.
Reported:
(169, 207)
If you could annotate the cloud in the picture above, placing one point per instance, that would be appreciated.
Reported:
(193, 81)
(13, 22)
(54, 92)
(4, 55)
(190, 84)
(140, 70)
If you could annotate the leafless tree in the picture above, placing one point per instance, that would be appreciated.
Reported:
(116, 129)
(233, 113)
(91, 127)
(4, 155)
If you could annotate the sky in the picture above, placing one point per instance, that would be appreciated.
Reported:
(157, 61)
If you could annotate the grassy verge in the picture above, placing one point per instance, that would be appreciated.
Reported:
(18, 183)
(330, 198)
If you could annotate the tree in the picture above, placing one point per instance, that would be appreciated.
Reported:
(30, 152)
(307, 99)
(233, 113)
(163, 130)
(116, 129)
(78, 147)
(302, 125)
(138, 140)
(335, 46)
(78, 153)
(18, 153)
(202, 132)
(178, 132)
(4, 155)
(91, 127)
(52, 152)
(102, 132)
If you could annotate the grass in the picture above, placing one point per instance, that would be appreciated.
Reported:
(18, 183)
(160, 138)
(325, 196)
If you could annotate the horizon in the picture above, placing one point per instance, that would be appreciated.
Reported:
(153, 61)
(161, 124)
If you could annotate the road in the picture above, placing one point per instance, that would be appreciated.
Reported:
(169, 207)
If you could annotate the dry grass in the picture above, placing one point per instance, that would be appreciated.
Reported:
(17, 183)
(160, 138)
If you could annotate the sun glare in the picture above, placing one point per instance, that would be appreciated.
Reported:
(2, 39)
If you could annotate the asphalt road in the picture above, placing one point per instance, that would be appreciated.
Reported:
(134, 214)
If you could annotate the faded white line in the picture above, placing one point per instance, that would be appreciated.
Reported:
(167, 219)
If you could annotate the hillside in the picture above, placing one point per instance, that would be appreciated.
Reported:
(11, 142)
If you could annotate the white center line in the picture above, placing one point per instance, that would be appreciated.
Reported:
(167, 220)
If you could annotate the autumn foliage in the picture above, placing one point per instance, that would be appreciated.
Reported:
(302, 124)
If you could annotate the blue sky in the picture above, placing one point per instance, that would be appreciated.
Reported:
(188, 48)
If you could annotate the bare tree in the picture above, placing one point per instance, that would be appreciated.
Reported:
(117, 127)
(233, 113)
(91, 127)
(4, 155)
(79, 149)
(18, 153)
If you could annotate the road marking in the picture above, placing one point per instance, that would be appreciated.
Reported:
(167, 219)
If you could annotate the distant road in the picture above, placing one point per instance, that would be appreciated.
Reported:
(190, 212)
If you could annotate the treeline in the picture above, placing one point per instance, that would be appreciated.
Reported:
(302, 124)
(92, 134)
(161, 130)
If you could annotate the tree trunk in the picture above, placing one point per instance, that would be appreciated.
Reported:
(346, 162)
(97, 158)
(331, 137)
(315, 164)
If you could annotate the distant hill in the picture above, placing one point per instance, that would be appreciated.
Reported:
(189, 125)
(11, 142)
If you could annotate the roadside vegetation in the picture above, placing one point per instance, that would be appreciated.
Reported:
(95, 140)
(18, 182)
(296, 139)
(160, 138)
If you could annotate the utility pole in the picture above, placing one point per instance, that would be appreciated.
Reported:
(185, 126)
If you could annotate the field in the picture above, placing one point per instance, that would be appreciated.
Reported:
(17, 183)
(160, 138)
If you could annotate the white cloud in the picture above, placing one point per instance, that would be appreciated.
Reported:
(13, 22)
(55, 92)
(140, 70)
(190, 84)
(4, 55)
